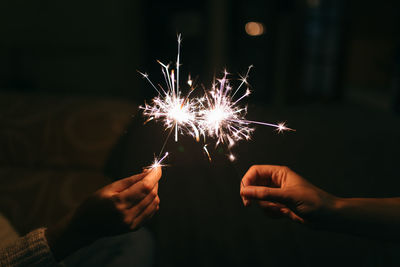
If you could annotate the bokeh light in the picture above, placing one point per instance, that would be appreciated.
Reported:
(254, 28)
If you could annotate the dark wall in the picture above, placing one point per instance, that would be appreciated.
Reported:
(311, 50)
(70, 46)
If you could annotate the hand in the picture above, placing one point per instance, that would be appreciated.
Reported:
(114, 209)
(280, 192)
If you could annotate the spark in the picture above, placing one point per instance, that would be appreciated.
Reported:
(207, 153)
(158, 162)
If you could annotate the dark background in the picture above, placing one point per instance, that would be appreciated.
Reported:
(310, 50)
(330, 69)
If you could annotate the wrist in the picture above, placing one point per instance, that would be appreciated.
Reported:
(337, 205)
(333, 209)
(326, 214)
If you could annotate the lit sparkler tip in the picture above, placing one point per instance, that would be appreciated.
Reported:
(158, 162)
(232, 157)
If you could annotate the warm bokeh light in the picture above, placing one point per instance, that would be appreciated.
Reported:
(254, 28)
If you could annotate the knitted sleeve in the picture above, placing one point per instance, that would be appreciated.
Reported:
(29, 250)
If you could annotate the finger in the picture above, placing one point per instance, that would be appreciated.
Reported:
(291, 215)
(271, 209)
(146, 214)
(264, 193)
(143, 187)
(267, 175)
(154, 212)
(269, 204)
(151, 179)
(244, 200)
(140, 204)
(121, 185)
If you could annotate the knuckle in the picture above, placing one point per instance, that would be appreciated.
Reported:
(116, 199)
(157, 201)
(147, 187)
(127, 221)
(119, 203)
(283, 171)
(153, 194)
(253, 168)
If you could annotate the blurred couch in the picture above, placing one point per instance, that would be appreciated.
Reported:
(52, 152)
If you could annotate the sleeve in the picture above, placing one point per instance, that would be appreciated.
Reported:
(29, 250)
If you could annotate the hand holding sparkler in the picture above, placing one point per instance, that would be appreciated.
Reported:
(114, 209)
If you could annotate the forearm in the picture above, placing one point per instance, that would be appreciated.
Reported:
(376, 217)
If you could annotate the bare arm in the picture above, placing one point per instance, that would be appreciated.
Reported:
(377, 217)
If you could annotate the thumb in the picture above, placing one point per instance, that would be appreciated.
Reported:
(265, 193)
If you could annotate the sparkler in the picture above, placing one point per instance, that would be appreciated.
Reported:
(158, 162)
(169, 106)
(217, 114)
